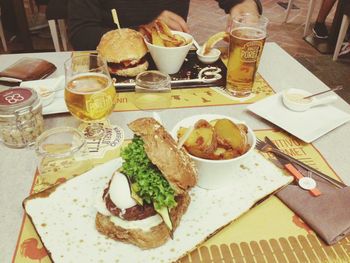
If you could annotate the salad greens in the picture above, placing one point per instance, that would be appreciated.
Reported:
(148, 182)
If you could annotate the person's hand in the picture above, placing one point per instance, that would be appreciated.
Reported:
(247, 6)
(172, 20)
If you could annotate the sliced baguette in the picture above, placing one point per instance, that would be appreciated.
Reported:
(155, 237)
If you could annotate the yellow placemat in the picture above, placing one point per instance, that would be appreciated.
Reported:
(269, 232)
(199, 97)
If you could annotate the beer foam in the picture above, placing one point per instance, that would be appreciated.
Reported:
(248, 33)
(86, 83)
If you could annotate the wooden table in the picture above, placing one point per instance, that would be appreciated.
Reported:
(277, 67)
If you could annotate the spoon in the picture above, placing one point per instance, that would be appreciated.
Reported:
(322, 92)
(296, 100)
(184, 137)
(195, 43)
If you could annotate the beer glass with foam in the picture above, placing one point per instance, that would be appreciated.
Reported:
(247, 39)
(90, 95)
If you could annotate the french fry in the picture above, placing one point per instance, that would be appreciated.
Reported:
(210, 43)
(162, 27)
(162, 36)
(156, 39)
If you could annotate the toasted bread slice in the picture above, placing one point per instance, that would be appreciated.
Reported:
(152, 238)
(175, 164)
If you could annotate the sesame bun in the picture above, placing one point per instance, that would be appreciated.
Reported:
(124, 50)
(120, 45)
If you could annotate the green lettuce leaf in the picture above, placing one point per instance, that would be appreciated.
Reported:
(148, 181)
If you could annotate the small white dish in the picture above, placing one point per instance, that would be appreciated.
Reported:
(46, 88)
(215, 174)
(54, 102)
(294, 99)
(210, 58)
(308, 125)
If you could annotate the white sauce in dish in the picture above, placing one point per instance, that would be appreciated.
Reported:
(298, 98)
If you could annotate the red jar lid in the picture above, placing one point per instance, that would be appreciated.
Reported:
(16, 99)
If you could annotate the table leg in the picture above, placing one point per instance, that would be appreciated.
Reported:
(23, 25)
(327, 46)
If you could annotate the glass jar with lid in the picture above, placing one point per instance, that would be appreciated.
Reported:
(21, 119)
(152, 90)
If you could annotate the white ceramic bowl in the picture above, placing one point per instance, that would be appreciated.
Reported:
(209, 58)
(214, 174)
(170, 59)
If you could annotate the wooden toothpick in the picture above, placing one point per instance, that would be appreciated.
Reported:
(115, 18)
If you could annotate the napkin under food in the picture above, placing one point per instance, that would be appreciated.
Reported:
(328, 215)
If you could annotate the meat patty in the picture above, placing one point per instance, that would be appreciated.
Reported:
(136, 212)
(126, 64)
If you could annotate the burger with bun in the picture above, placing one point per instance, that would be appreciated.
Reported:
(124, 50)
(145, 200)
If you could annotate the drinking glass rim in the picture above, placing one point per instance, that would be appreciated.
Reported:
(262, 18)
(90, 55)
(166, 80)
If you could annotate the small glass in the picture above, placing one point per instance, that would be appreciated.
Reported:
(152, 90)
(59, 151)
(247, 39)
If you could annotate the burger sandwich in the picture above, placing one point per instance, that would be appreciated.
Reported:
(124, 50)
(146, 198)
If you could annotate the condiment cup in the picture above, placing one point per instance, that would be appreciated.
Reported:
(215, 174)
(170, 59)
(210, 58)
(294, 100)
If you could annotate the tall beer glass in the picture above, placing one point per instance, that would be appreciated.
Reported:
(89, 94)
(247, 39)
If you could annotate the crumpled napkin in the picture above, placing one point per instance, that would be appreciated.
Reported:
(57, 104)
(328, 215)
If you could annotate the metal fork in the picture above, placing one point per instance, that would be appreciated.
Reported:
(265, 147)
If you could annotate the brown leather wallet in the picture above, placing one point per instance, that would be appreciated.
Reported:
(27, 69)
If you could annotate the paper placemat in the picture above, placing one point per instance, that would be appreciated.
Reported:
(270, 232)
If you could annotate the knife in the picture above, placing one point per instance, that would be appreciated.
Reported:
(307, 167)
(294, 171)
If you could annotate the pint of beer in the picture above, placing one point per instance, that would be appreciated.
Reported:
(247, 38)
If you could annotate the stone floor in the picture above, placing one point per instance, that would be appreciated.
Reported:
(205, 19)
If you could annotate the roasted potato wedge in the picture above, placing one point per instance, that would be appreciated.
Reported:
(219, 139)
(203, 124)
(228, 133)
(156, 39)
(201, 142)
(161, 35)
